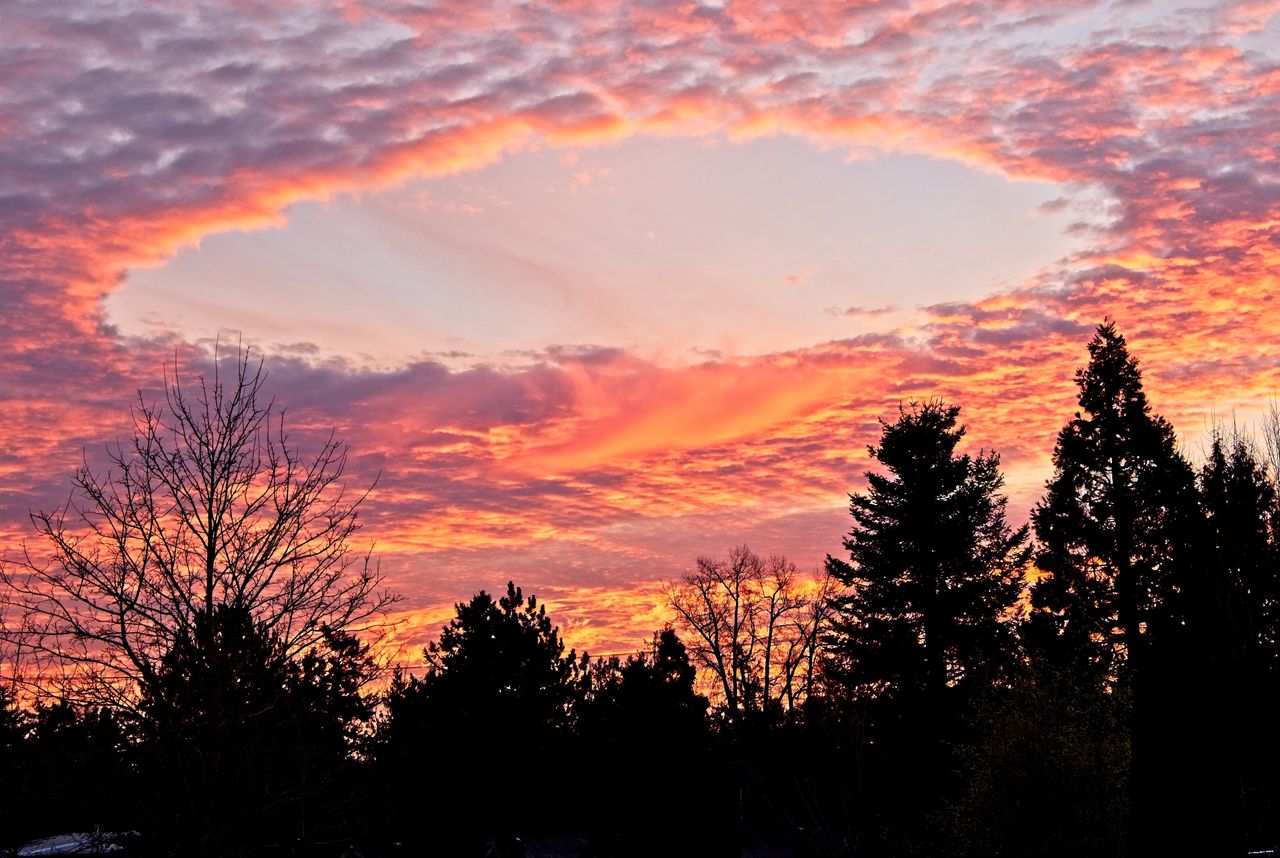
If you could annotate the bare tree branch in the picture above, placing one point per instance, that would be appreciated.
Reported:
(753, 626)
(209, 503)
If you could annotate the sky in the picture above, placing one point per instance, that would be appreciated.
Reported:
(594, 289)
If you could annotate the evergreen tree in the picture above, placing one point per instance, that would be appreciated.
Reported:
(243, 744)
(1234, 622)
(650, 696)
(1240, 506)
(503, 663)
(80, 771)
(1117, 529)
(935, 572)
(935, 568)
(495, 706)
(1117, 509)
(643, 734)
(13, 770)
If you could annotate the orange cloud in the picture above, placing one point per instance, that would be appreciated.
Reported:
(596, 474)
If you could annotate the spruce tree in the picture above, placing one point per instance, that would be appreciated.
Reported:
(934, 566)
(934, 574)
(1117, 532)
(1119, 506)
(1234, 630)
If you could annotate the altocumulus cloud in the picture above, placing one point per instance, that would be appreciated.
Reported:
(127, 132)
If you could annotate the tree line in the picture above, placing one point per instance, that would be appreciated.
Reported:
(191, 662)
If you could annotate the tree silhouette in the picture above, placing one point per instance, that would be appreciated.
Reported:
(650, 695)
(1240, 504)
(1117, 529)
(1109, 521)
(1106, 524)
(935, 568)
(80, 771)
(13, 769)
(202, 592)
(643, 736)
(754, 625)
(934, 574)
(504, 662)
(242, 743)
(209, 504)
(497, 701)
(1234, 614)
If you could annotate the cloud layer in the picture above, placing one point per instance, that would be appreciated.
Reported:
(128, 130)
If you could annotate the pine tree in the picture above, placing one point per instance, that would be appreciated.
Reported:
(492, 713)
(1234, 628)
(1119, 506)
(1118, 529)
(935, 572)
(935, 568)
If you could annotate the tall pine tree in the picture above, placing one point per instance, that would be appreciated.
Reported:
(934, 573)
(1234, 632)
(1117, 530)
(934, 566)
(1114, 513)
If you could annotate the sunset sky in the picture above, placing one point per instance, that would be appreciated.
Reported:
(597, 288)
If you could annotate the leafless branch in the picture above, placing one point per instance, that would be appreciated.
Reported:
(209, 503)
(754, 627)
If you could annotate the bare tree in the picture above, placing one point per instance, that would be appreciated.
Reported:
(754, 626)
(208, 505)
(1271, 438)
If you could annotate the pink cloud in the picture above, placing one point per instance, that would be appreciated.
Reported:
(125, 134)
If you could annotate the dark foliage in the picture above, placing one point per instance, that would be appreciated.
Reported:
(489, 717)
(246, 745)
(643, 735)
(13, 769)
(935, 568)
(73, 770)
(1046, 771)
(1117, 532)
(1115, 514)
(1234, 641)
(1240, 508)
(934, 573)
(650, 695)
